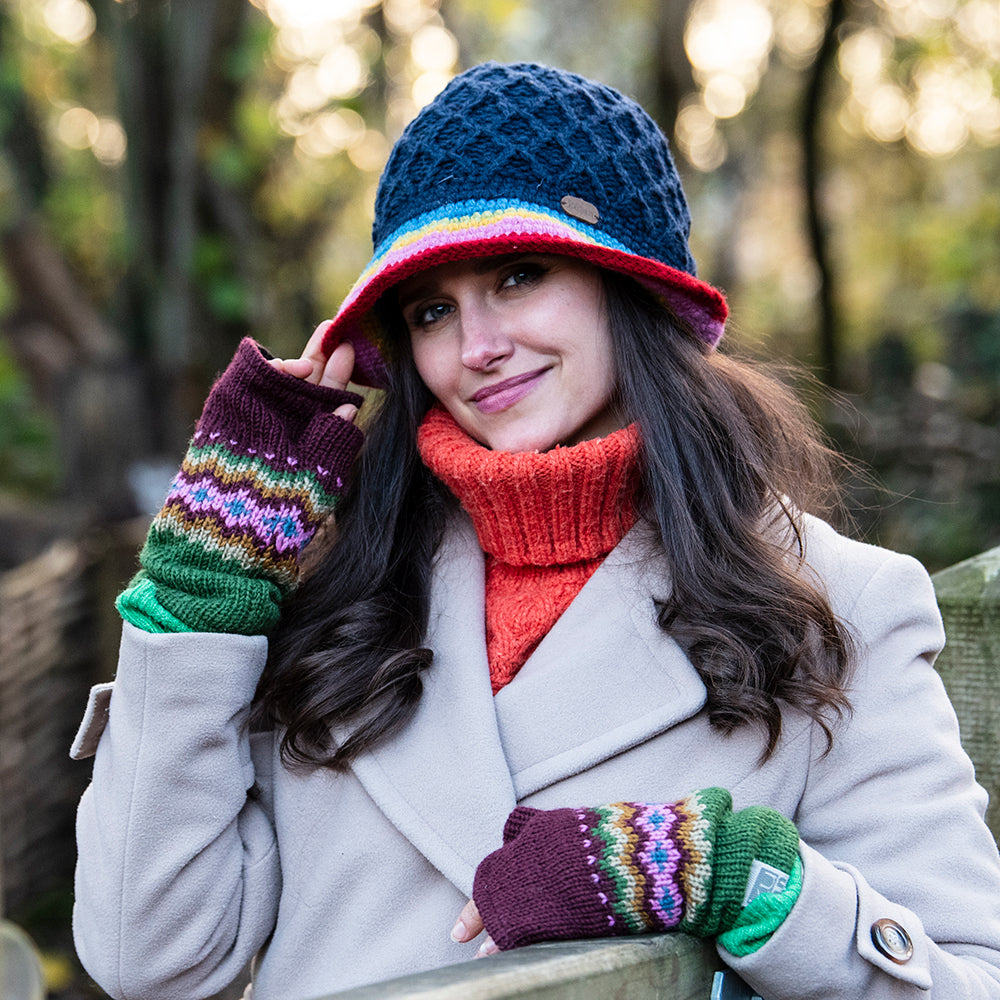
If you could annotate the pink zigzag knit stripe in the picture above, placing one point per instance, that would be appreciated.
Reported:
(281, 525)
(463, 231)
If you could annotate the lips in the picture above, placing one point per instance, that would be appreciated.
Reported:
(501, 395)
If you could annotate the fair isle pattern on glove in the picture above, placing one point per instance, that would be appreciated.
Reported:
(263, 471)
(631, 868)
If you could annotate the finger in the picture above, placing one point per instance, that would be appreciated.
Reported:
(314, 345)
(303, 368)
(488, 947)
(336, 370)
(299, 367)
(469, 923)
(317, 360)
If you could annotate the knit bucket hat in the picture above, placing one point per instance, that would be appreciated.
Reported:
(526, 158)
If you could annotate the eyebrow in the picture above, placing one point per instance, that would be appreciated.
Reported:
(405, 297)
(484, 264)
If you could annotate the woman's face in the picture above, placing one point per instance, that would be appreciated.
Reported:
(516, 348)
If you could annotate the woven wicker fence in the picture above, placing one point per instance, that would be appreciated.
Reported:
(46, 663)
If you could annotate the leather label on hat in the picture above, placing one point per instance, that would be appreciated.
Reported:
(580, 209)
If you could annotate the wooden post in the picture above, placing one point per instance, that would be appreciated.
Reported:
(969, 597)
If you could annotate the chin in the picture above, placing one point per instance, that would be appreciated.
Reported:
(518, 442)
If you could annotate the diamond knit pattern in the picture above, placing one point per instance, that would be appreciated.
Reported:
(628, 868)
(536, 134)
(263, 470)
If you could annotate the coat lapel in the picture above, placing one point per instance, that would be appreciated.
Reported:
(604, 679)
(444, 781)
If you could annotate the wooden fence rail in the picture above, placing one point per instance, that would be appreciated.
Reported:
(665, 966)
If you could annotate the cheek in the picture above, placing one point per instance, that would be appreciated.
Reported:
(598, 361)
(431, 364)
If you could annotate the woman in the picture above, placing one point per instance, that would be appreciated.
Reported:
(575, 650)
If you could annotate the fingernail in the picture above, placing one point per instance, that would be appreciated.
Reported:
(458, 932)
(488, 947)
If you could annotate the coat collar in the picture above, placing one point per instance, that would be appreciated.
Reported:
(590, 690)
(604, 679)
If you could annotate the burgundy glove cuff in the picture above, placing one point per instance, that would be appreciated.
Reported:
(285, 423)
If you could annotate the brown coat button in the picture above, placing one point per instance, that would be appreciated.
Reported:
(892, 940)
(580, 209)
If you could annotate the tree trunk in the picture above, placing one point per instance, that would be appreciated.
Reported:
(671, 73)
(812, 113)
(167, 59)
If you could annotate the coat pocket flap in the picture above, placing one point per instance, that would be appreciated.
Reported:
(95, 718)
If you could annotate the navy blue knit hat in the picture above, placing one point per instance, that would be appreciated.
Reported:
(525, 158)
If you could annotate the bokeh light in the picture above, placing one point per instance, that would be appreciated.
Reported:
(729, 38)
(405, 16)
(949, 96)
(72, 21)
(798, 30)
(698, 136)
(728, 43)
(725, 95)
(111, 144)
(434, 49)
(978, 24)
(78, 128)
(326, 51)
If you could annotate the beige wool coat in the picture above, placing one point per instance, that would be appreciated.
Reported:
(199, 850)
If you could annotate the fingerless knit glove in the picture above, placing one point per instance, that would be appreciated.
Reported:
(266, 464)
(633, 867)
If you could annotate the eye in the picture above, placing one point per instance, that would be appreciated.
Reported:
(427, 314)
(522, 273)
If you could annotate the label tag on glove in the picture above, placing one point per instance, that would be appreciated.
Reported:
(764, 880)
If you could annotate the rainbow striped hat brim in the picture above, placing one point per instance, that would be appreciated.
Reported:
(484, 228)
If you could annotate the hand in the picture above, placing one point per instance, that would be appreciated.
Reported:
(572, 873)
(315, 367)
(468, 925)
(265, 469)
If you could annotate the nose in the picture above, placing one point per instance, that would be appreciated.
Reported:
(485, 342)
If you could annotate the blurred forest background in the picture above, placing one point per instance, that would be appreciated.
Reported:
(175, 174)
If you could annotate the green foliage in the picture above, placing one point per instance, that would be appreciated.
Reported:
(227, 296)
(244, 61)
(86, 219)
(29, 465)
(7, 298)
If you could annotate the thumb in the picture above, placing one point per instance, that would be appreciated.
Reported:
(517, 821)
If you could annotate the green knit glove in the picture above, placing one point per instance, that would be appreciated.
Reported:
(263, 471)
(736, 858)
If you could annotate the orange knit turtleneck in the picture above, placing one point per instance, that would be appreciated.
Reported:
(545, 520)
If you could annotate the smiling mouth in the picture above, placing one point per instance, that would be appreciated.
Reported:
(501, 395)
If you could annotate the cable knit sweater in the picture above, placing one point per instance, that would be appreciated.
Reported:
(545, 520)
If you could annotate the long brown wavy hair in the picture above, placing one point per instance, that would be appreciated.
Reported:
(730, 457)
